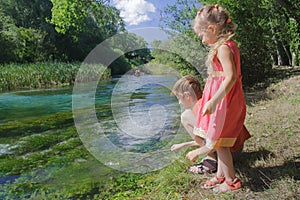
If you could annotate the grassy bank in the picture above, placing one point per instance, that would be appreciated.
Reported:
(42, 75)
(270, 165)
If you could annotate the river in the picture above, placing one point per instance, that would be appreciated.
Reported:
(137, 115)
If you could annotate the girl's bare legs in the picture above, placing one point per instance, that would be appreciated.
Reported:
(225, 164)
(227, 170)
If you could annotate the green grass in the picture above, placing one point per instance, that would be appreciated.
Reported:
(48, 74)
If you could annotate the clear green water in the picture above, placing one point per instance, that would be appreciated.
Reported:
(24, 113)
(144, 92)
(38, 102)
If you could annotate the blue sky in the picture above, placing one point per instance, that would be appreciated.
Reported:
(141, 14)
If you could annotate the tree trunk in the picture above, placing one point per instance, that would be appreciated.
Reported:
(295, 59)
(279, 58)
(287, 52)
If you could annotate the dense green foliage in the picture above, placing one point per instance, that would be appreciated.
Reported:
(133, 49)
(45, 30)
(268, 32)
(182, 54)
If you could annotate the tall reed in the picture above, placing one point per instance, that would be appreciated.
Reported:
(41, 75)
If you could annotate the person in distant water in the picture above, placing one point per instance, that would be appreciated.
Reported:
(222, 109)
(188, 92)
(137, 72)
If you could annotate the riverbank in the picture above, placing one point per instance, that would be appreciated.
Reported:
(44, 75)
(269, 166)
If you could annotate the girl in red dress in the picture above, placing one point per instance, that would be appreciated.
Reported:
(223, 109)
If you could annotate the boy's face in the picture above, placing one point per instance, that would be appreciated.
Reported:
(185, 100)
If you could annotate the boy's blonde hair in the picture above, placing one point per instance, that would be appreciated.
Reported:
(188, 85)
(218, 16)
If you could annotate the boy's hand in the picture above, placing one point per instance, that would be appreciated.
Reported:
(192, 155)
(175, 147)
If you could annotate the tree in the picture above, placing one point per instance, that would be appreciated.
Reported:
(133, 47)
(66, 30)
(291, 15)
(8, 36)
(185, 52)
(24, 25)
(254, 37)
(75, 16)
(87, 22)
(292, 8)
(182, 53)
(178, 16)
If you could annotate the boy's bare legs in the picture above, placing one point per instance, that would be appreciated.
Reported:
(188, 119)
(212, 155)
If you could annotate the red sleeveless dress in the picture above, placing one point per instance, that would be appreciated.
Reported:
(223, 127)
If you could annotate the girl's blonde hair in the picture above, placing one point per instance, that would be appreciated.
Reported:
(218, 16)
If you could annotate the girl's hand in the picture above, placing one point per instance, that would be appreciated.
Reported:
(192, 155)
(209, 108)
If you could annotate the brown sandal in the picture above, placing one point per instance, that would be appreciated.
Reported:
(228, 186)
(211, 183)
(205, 166)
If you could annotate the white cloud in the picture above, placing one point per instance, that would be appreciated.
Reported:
(134, 12)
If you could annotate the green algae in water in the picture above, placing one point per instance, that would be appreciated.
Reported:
(51, 158)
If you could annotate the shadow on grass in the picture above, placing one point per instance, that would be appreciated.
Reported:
(260, 178)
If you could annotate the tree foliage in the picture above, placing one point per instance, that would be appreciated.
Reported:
(183, 51)
(45, 30)
(23, 30)
(132, 48)
(75, 16)
(268, 31)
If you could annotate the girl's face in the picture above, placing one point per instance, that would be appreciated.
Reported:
(207, 34)
(206, 31)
